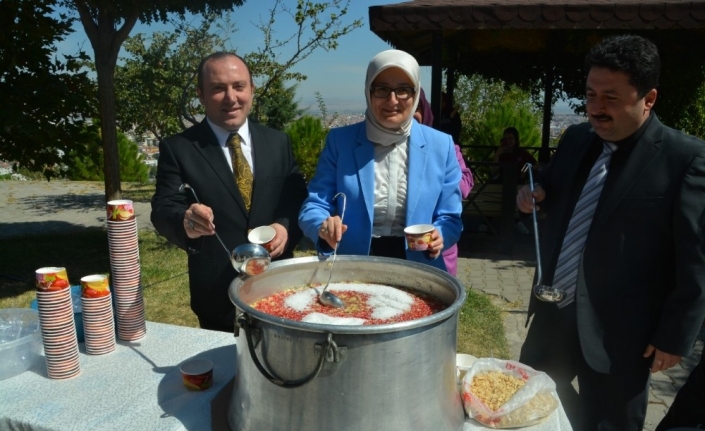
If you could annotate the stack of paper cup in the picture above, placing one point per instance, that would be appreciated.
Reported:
(98, 322)
(56, 321)
(125, 269)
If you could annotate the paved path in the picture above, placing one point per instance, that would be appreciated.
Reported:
(33, 207)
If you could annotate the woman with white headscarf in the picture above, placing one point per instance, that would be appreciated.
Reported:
(394, 172)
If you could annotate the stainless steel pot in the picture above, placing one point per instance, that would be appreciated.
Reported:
(303, 376)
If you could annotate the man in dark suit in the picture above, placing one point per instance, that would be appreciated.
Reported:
(201, 157)
(636, 296)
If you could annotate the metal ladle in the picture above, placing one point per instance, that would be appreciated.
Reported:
(541, 291)
(326, 297)
(251, 259)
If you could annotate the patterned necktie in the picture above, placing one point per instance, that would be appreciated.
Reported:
(241, 170)
(566, 274)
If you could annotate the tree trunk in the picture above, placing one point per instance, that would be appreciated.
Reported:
(106, 38)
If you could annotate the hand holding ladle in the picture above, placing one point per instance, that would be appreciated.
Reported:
(250, 259)
(542, 291)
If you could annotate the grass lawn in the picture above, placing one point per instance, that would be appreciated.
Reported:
(480, 330)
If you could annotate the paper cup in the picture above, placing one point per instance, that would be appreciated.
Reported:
(120, 210)
(94, 286)
(197, 374)
(263, 236)
(418, 236)
(52, 278)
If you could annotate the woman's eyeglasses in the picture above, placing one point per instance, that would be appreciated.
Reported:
(382, 92)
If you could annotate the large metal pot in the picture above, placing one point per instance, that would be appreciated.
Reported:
(303, 376)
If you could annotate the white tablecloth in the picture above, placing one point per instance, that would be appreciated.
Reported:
(138, 387)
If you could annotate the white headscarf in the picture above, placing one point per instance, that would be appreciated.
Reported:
(376, 132)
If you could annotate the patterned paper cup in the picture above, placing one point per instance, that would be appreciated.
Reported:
(94, 286)
(197, 374)
(52, 278)
(263, 235)
(418, 236)
(120, 210)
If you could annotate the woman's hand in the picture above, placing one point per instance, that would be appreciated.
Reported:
(332, 230)
(436, 245)
(198, 221)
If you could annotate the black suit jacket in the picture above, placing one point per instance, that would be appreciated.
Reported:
(196, 158)
(641, 278)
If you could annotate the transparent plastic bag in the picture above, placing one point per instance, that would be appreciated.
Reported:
(530, 405)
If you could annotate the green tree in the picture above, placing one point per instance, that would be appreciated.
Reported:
(166, 64)
(154, 87)
(278, 107)
(308, 136)
(43, 99)
(107, 24)
(87, 164)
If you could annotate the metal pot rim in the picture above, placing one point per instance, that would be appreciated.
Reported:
(459, 289)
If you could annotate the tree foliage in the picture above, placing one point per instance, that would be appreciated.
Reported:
(308, 136)
(43, 99)
(165, 65)
(86, 164)
(487, 107)
(107, 24)
(155, 85)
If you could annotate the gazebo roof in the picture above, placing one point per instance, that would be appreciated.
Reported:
(525, 25)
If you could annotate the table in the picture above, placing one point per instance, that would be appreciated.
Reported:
(138, 387)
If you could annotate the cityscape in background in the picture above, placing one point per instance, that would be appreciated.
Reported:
(149, 147)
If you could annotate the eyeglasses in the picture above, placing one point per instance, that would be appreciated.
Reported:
(382, 92)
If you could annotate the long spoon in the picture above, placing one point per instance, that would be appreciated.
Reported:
(542, 292)
(326, 297)
(242, 254)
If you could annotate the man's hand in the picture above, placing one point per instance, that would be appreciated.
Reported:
(280, 240)
(662, 360)
(524, 198)
(198, 221)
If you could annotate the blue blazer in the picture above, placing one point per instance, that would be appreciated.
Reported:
(347, 165)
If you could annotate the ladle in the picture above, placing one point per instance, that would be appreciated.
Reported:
(326, 297)
(252, 259)
(542, 292)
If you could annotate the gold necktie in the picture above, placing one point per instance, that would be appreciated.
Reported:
(241, 170)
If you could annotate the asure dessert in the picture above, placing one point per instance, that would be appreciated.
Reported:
(365, 304)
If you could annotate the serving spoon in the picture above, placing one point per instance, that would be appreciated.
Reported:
(251, 259)
(541, 291)
(326, 297)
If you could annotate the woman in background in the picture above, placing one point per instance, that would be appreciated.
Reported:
(424, 115)
(394, 172)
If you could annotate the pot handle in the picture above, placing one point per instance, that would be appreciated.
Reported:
(330, 348)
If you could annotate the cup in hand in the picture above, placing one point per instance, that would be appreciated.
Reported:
(418, 236)
(263, 235)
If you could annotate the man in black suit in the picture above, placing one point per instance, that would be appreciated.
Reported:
(201, 157)
(636, 296)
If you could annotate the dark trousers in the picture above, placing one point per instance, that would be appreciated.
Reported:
(688, 408)
(606, 402)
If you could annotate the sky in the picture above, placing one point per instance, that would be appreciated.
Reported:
(338, 75)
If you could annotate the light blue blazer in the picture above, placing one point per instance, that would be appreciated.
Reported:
(347, 165)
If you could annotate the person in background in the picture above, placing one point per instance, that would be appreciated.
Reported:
(424, 115)
(245, 176)
(510, 151)
(624, 239)
(394, 172)
(450, 118)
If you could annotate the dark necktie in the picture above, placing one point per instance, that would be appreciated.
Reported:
(241, 170)
(566, 274)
